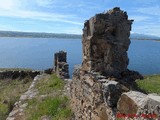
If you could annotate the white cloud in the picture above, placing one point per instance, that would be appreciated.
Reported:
(44, 3)
(40, 16)
(13, 8)
(148, 22)
(153, 10)
(139, 18)
(9, 4)
(145, 2)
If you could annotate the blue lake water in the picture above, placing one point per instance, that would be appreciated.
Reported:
(37, 53)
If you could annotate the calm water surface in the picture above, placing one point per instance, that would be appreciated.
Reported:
(37, 53)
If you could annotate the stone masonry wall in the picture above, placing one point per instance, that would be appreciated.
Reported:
(87, 97)
(102, 88)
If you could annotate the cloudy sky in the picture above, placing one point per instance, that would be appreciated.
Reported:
(68, 16)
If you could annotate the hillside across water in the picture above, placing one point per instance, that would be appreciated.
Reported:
(62, 35)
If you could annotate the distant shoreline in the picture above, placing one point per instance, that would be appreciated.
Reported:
(42, 37)
(145, 39)
(156, 40)
(37, 35)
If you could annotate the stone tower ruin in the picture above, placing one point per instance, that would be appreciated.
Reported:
(106, 41)
(61, 65)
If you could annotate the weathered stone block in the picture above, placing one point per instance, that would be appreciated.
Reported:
(140, 104)
(130, 102)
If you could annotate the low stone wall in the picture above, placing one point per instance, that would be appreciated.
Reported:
(17, 74)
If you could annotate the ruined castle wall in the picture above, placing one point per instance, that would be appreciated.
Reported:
(95, 97)
(102, 88)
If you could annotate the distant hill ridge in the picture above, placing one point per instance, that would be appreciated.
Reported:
(63, 35)
(144, 37)
(37, 35)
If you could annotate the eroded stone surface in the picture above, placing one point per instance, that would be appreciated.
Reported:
(142, 105)
(106, 41)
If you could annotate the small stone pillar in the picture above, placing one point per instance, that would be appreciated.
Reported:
(61, 65)
(106, 41)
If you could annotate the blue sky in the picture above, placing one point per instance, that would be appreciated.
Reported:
(68, 16)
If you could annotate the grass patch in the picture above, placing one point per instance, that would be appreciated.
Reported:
(50, 85)
(150, 84)
(10, 93)
(57, 108)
